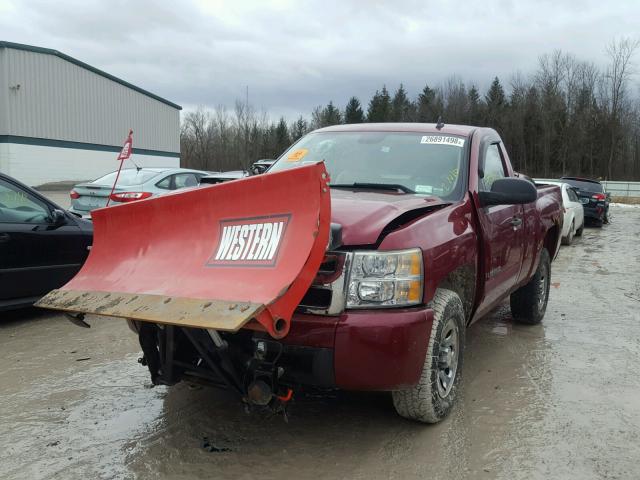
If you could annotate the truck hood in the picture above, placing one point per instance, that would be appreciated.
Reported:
(363, 215)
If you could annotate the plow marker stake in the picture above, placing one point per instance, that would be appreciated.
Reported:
(226, 256)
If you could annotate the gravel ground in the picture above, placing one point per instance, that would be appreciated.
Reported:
(557, 400)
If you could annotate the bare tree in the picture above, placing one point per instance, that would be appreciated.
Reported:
(617, 78)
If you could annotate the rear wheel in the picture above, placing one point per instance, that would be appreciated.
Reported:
(433, 397)
(529, 303)
(580, 230)
(572, 231)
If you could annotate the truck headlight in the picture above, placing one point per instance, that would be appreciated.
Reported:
(385, 279)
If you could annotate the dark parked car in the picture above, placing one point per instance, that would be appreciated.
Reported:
(593, 197)
(42, 246)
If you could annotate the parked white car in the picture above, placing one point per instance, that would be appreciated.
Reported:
(133, 184)
(573, 211)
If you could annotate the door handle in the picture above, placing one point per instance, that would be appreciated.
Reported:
(516, 221)
(4, 237)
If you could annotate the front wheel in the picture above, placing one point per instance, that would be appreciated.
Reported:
(529, 303)
(433, 397)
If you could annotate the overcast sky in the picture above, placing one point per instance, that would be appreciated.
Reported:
(295, 55)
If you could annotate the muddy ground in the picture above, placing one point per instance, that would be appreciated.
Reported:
(558, 400)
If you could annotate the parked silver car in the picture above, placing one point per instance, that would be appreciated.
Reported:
(133, 184)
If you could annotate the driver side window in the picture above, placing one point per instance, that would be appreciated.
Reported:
(18, 206)
(493, 167)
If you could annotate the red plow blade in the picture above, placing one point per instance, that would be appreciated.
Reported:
(226, 256)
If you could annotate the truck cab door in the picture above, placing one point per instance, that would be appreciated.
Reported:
(502, 231)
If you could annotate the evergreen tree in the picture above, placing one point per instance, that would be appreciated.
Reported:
(379, 106)
(324, 117)
(331, 115)
(282, 139)
(496, 105)
(475, 106)
(353, 112)
(400, 106)
(426, 105)
(298, 128)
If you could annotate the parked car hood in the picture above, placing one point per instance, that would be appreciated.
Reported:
(364, 214)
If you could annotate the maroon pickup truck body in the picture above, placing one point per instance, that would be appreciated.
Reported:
(430, 229)
(405, 268)
(478, 252)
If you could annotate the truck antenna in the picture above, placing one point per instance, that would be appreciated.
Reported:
(440, 123)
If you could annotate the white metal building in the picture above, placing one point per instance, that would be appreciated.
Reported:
(64, 120)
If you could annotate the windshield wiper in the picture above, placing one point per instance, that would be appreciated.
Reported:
(374, 186)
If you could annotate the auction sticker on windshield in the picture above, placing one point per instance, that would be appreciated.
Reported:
(297, 155)
(442, 140)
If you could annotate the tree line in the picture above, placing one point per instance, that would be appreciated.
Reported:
(569, 117)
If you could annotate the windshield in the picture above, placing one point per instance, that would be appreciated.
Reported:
(128, 177)
(424, 164)
(586, 186)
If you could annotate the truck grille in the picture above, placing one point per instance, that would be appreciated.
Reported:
(325, 296)
(317, 297)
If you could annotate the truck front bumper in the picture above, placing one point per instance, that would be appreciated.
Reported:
(371, 349)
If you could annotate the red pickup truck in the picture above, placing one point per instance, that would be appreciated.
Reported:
(430, 229)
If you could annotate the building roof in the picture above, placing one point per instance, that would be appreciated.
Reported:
(49, 51)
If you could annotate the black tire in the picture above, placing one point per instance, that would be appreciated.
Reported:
(432, 399)
(569, 238)
(529, 303)
(580, 230)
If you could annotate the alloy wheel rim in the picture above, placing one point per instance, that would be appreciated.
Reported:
(448, 355)
(542, 289)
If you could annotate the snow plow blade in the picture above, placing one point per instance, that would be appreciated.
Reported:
(227, 256)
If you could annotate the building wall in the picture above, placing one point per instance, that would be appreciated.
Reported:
(37, 164)
(4, 93)
(60, 100)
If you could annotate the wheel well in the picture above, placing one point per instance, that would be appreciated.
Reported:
(551, 240)
(463, 282)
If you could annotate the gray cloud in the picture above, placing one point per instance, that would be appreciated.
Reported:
(295, 55)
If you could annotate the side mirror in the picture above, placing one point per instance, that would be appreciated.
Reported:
(509, 191)
(58, 217)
